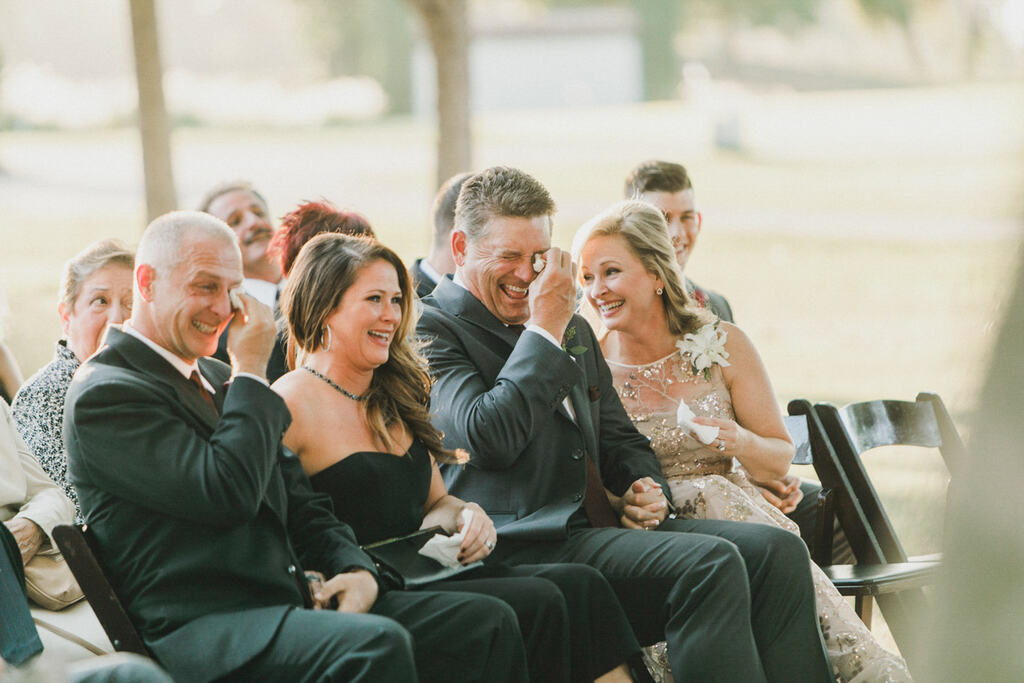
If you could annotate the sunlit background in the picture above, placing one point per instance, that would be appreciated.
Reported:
(858, 162)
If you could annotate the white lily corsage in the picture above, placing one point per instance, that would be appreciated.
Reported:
(704, 348)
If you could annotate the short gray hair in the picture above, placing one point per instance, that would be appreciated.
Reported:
(164, 238)
(86, 262)
(225, 187)
(499, 191)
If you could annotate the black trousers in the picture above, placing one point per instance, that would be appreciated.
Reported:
(733, 600)
(573, 626)
(407, 636)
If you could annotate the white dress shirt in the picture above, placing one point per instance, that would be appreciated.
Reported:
(186, 369)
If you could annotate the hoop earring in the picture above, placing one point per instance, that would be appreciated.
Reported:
(330, 338)
(659, 291)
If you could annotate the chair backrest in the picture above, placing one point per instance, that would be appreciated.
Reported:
(859, 427)
(796, 425)
(836, 487)
(75, 544)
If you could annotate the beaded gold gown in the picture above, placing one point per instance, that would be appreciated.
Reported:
(705, 484)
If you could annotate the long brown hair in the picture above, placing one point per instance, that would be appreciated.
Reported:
(400, 389)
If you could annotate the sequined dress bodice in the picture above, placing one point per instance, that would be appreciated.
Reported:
(651, 394)
(704, 484)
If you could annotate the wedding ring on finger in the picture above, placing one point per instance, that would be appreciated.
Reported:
(489, 544)
(721, 445)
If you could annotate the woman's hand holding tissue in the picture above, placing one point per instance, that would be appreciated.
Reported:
(478, 534)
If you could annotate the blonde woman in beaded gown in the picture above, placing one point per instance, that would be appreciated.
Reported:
(662, 352)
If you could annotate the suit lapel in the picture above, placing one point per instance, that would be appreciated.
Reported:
(146, 361)
(459, 302)
(581, 404)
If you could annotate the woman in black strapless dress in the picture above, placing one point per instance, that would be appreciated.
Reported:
(359, 398)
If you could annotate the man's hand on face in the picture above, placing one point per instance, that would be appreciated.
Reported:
(28, 535)
(643, 505)
(355, 591)
(251, 337)
(553, 293)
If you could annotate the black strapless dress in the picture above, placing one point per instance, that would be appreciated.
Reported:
(572, 624)
(379, 495)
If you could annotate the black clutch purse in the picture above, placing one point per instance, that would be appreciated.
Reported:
(401, 566)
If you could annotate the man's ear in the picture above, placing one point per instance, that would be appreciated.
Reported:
(459, 247)
(145, 276)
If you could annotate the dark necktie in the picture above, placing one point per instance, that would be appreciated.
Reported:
(595, 502)
(194, 378)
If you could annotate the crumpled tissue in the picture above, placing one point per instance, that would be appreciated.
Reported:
(445, 549)
(684, 418)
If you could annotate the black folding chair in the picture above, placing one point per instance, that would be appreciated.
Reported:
(820, 545)
(75, 544)
(884, 572)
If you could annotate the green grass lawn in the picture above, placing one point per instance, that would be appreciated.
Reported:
(865, 240)
(858, 273)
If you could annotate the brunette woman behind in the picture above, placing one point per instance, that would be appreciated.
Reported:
(361, 428)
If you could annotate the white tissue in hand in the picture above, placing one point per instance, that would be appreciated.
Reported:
(445, 549)
(684, 418)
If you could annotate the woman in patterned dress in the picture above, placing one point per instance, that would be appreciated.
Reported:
(664, 352)
(95, 291)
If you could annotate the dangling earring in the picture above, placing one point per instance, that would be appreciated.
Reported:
(330, 339)
(659, 291)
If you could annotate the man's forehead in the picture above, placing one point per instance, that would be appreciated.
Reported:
(211, 254)
(233, 200)
(513, 233)
(670, 201)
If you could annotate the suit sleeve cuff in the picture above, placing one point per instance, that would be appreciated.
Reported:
(544, 333)
(261, 380)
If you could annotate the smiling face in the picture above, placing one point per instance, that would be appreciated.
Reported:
(618, 286)
(246, 214)
(188, 305)
(682, 218)
(498, 267)
(105, 299)
(364, 323)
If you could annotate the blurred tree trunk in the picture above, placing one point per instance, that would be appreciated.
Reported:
(447, 26)
(153, 126)
(658, 22)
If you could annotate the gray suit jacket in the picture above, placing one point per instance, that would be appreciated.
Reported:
(203, 521)
(499, 395)
(718, 304)
(424, 285)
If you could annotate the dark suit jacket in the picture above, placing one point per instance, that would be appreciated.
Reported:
(424, 285)
(718, 304)
(203, 523)
(499, 396)
(278, 363)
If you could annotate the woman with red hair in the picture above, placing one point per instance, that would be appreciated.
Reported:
(310, 219)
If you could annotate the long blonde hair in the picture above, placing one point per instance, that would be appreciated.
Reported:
(399, 391)
(646, 234)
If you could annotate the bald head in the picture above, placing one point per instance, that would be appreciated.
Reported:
(186, 263)
(168, 235)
